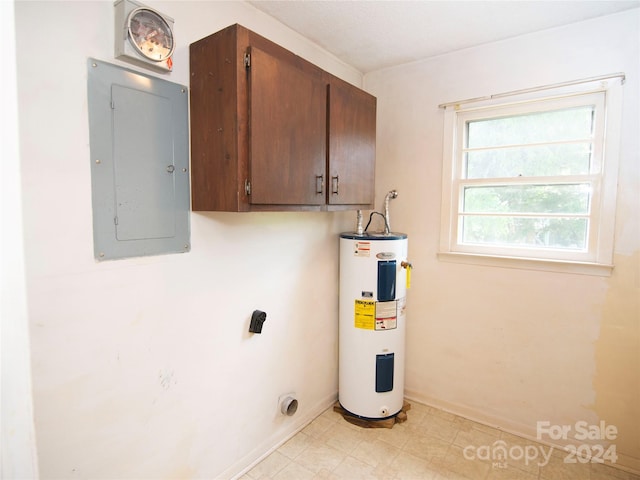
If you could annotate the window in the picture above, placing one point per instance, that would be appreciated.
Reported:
(532, 182)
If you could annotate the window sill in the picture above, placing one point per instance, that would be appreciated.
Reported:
(560, 266)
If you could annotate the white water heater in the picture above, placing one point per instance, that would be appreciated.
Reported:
(373, 282)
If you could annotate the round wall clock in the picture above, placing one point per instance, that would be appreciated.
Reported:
(150, 34)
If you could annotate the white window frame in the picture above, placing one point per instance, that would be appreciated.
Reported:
(597, 258)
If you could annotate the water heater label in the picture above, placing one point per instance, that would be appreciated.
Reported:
(365, 311)
(386, 315)
(362, 249)
(402, 306)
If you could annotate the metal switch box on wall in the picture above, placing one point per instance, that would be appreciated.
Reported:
(139, 140)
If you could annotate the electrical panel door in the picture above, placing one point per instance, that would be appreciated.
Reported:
(139, 163)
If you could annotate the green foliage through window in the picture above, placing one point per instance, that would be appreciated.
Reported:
(510, 207)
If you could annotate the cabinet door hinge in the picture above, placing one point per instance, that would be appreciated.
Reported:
(247, 187)
(247, 60)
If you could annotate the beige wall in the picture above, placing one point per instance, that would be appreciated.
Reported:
(505, 346)
(144, 368)
(19, 457)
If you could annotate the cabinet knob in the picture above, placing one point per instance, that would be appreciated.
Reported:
(319, 184)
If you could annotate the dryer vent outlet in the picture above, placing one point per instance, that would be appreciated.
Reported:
(288, 405)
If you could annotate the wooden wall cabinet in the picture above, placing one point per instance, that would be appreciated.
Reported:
(271, 131)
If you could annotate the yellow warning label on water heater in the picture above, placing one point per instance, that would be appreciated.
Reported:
(365, 314)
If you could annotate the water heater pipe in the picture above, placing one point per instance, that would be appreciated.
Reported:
(387, 226)
(359, 229)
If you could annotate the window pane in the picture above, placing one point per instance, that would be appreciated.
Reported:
(555, 126)
(531, 232)
(533, 161)
(558, 199)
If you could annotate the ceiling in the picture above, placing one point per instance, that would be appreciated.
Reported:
(370, 35)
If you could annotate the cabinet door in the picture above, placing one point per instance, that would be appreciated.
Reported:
(352, 146)
(287, 131)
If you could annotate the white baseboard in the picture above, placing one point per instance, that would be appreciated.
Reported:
(625, 462)
(273, 442)
(500, 423)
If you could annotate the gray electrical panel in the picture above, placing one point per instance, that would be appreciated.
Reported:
(139, 135)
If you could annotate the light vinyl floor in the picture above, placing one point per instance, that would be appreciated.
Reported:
(430, 445)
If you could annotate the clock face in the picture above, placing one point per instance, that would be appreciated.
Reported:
(150, 34)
